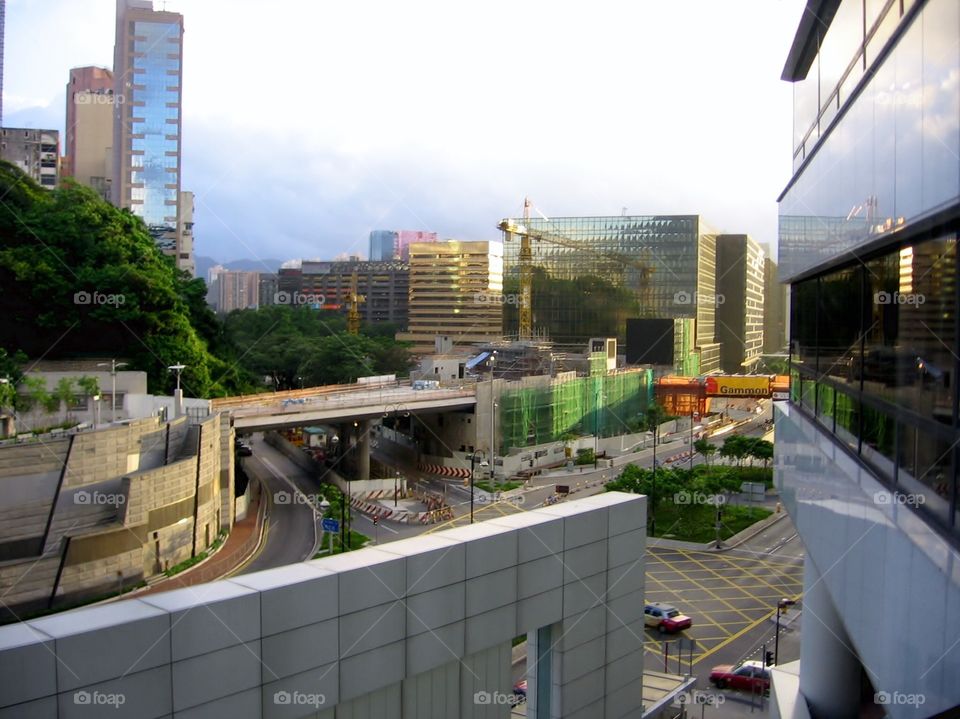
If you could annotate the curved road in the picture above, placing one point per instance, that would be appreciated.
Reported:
(289, 535)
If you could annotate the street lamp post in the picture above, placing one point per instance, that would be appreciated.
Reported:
(781, 607)
(473, 463)
(653, 499)
(114, 366)
(396, 483)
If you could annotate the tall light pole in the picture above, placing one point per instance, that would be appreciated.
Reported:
(781, 606)
(114, 366)
(396, 483)
(483, 463)
(493, 451)
(653, 499)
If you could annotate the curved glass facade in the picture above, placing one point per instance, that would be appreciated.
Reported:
(891, 159)
(870, 223)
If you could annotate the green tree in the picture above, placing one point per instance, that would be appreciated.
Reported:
(82, 277)
(705, 448)
(63, 393)
(736, 447)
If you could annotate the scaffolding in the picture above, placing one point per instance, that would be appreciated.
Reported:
(559, 408)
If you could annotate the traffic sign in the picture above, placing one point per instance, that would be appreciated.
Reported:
(330, 525)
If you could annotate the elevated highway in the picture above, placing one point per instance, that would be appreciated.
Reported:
(338, 404)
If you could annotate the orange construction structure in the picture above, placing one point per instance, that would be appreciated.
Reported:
(682, 396)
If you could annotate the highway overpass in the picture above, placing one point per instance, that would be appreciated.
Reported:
(335, 405)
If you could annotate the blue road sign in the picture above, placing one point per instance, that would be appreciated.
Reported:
(330, 525)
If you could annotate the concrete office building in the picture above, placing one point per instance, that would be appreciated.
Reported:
(774, 309)
(421, 627)
(268, 288)
(867, 447)
(88, 139)
(36, 152)
(147, 130)
(185, 259)
(383, 285)
(649, 266)
(456, 291)
(740, 302)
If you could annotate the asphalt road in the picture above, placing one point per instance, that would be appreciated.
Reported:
(289, 536)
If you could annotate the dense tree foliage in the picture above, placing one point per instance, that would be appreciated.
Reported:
(289, 346)
(82, 278)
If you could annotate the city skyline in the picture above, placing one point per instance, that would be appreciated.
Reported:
(631, 136)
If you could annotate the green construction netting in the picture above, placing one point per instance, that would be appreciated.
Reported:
(607, 405)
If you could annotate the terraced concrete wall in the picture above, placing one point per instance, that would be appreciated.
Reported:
(121, 513)
(416, 628)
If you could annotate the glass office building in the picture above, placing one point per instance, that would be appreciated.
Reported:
(868, 446)
(147, 123)
(602, 271)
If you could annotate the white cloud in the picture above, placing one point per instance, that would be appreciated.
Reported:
(310, 123)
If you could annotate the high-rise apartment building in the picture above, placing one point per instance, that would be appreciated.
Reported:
(148, 72)
(774, 309)
(388, 245)
(456, 291)
(868, 446)
(740, 302)
(88, 137)
(236, 290)
(606, 270)
(383, 285)
(36, 152)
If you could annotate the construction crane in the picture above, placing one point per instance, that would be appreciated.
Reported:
(353, 304)
(509, 228)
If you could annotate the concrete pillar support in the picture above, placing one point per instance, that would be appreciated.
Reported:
(829, 669)
(363, 449)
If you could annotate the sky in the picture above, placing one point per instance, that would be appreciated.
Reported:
(309, 123)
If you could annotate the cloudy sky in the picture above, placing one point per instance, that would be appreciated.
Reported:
(308, 123)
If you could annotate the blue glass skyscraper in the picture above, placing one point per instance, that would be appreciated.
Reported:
(148, 76)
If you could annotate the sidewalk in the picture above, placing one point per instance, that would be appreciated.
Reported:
(242, 542)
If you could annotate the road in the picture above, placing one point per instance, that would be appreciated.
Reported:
(731, 594)
(289, 535)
